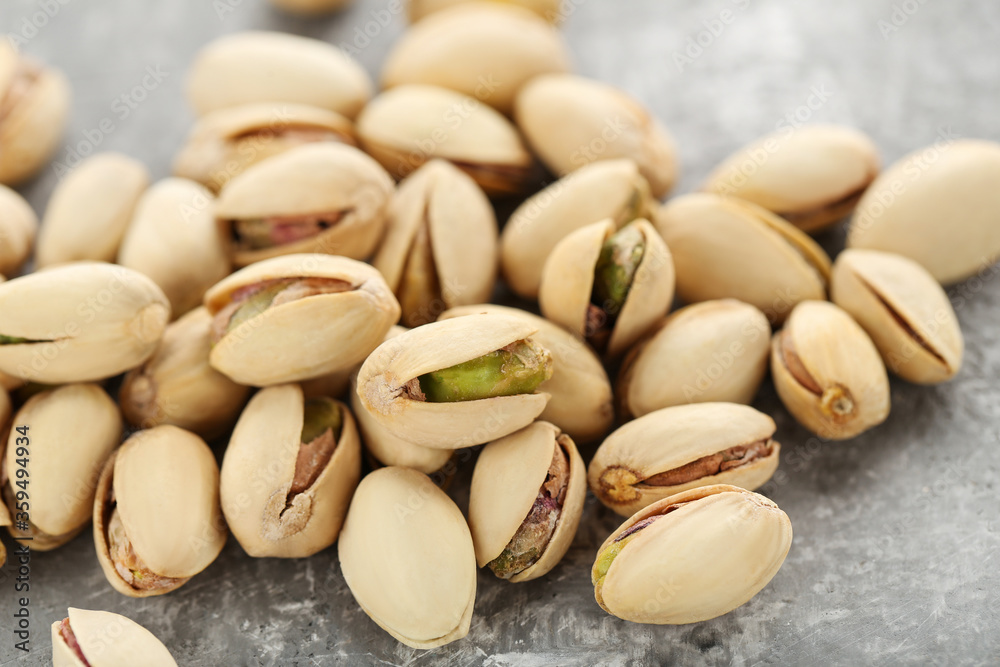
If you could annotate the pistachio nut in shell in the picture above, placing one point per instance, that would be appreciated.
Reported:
(609, 287)
(90, 210)
(456, 46)
(567, 120)
(34, 106)
(297, 317)
(828, 372)
(225, 142)
(811, 175)
(905, 311)
(178, 386)
(714, 351)
(580, 398)
(680, 448)
(406, 126)
(440, 248)
(407, 556)
(311, 7)
(550, 10)
(328, 198)
(18, 225)
(725, 248)
(157, 520)
(457, 383)
(692, 556)
(261, 66)
(938, 206)
(103, 639)
(79, 322)
(526, 501)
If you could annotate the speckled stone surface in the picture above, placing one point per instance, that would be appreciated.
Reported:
(897, 534)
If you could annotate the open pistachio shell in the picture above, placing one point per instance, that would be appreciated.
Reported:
(720, 245)
(714, 351)
(79, 322)
(812, 176)
(258, 66)
(550, 10)
(680, 448)
(333, 313)
(90, 210)
(386, 378)
(828, 372)
(692, 556)
(905, 311)
(311, 7)
(18, 225)
(157, 519)
(104, 639)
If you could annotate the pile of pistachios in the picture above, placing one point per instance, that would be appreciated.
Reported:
(310, 292)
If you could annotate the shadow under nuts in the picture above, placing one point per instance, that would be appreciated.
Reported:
(101, 639)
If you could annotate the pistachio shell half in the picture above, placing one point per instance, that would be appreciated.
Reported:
(311, 7)
(18, 225)
(407, 556)
(828, 372)
(905, 311)
(550, 10)
(101, 639)
(691, 557)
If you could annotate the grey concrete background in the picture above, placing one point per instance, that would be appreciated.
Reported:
(897, 533)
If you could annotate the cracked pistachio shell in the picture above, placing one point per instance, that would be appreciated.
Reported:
(550, 10)
(260, 66)
(571, 121)
(226, 142)
(407, 556)
(812, 176)
(435, 346)
(178, 386)
(35, 101)
(905, 311)
(18, 225)
(409, 125)
(257, 475)
(90, 210)
(716, 550)
(938, 206)
(568, 280)
(98, 320)
(829, 373)
(508, 477)
(63, 479)
(728, 248)
(440, 249)
(165, 483)
(309, 180)
(609, 189)
(311, 7)
(673, 438)
(173, 239)
(484, 50)
(108, 640)
(714, 351)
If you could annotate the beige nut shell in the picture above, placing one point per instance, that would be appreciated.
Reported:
(18, 225)
(550, 10)
(311, 7)
(108, 640)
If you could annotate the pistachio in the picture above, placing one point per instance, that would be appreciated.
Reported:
(715, 351)
(720, 245)
(18, 225)
(691, 557)
(9, 382)
(328, 198)
(289, 472)
(571, 121)
(440, 249)
(939, 207)
(95, 320)
(102, 639)
(607, 189)
(409, 125)
(90, 210)
(157, 520)
(550, 10)
(828, 372)
(812, 176)
(407, 556)
(608, 287)
(259, 66)
(311, 7)
(457, 383)
(178, 386)
(905, 311)
(34, 105)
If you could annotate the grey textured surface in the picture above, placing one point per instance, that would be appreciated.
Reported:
(897, 535)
